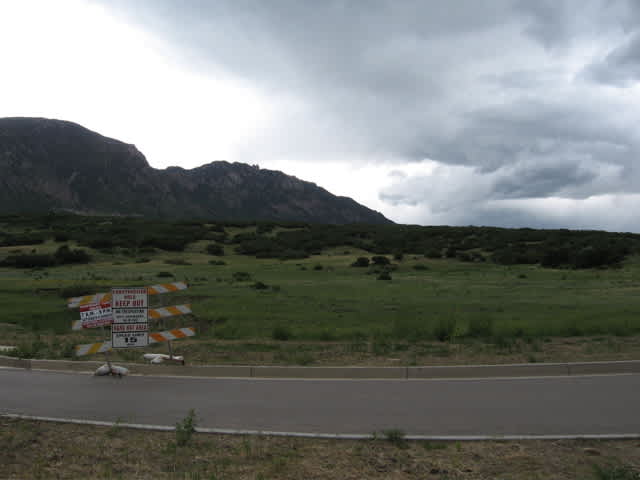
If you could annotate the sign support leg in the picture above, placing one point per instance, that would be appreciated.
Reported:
(107, 354)
(171, 351)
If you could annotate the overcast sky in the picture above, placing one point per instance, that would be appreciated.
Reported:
(518, 113)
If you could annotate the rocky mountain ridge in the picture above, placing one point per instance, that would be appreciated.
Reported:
(58, 165)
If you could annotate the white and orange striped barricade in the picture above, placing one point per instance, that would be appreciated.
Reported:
(91, 348)
(156, 337)
(105, 297)
(175, 334)
(154, 314)
(96, 310)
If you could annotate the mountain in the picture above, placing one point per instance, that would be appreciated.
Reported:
(57, 165)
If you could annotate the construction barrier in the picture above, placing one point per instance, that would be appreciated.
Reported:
(168, 335)
(91, 348)
(169, 311)
(174, 334)
(154, 313)
(166, 288)
(76, 302)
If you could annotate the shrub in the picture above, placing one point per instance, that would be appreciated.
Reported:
(282, 333)
(260, 286)
(215, 249)
(380, 260)
(361, 262)
(480, 327)
(65, 255)
(217, 262)
(444, 330)
(327, 336)
(164, 274)
(241, 276)
(61, 237)
(176, 261)
(613, 472)
(177, 244)
(32, 260)
(396, 437)
(434, 253)
(186, 428)
(291, 254)
(100, 243)
(384, 276)
(318, 267)
(420, 267)
(79, 290)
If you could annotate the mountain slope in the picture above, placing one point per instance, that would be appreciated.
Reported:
(52, 164)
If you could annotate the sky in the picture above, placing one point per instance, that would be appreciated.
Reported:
(514, 113)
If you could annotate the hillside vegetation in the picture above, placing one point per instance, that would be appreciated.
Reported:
(308, 294)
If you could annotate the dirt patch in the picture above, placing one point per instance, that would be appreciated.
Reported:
(31, 449)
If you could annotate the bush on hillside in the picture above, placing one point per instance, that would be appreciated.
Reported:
(215, 249)
(361, 262)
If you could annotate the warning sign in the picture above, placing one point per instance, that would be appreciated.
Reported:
(130, 326)
(128, 335)
(129, 315)
(96, 315)
(129, 297)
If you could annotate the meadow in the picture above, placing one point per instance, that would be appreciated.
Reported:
(321, 309)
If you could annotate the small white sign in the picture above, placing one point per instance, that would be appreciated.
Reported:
(137, 297)
(129, 339)
(130, 326)
(130, 315)
(96, 315)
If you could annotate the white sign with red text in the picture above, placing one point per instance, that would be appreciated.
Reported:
(96, 315)
(130, 326)
(128, 335)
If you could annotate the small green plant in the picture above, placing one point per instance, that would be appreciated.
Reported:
(480, 327)
(384, 276)
(186, 428)
(217, 262)
(176, 261)
(116, 428)
(380, 260)
(428, 445)
(215, 249)
(304, 359)
(361, 262)
(282, 333)
(611, 472)
(241, 276)
(164, 274)
(396, 437)
(260, 286)
(444, 329)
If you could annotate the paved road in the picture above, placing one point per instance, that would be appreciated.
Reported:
(523, 406)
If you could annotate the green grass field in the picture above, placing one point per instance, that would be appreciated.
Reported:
(267, 305)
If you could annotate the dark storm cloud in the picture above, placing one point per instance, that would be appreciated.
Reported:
(503, 94)
(621, 66)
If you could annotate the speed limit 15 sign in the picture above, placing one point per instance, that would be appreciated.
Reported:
(128, 335)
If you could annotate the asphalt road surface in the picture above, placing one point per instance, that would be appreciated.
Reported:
(508, 406)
